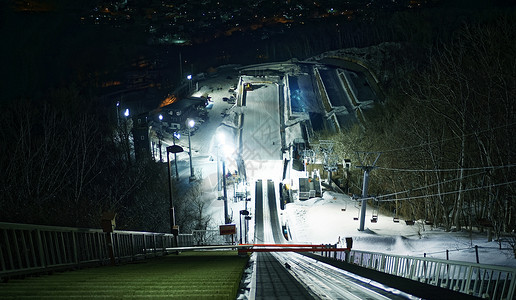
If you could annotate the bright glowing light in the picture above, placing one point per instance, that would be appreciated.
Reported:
(191, 123)
(177, 135)
(160, 117)
(126, 113)
(189, 77)
(221, 138)
(227, 150)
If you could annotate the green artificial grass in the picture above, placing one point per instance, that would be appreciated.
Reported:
(190, 275)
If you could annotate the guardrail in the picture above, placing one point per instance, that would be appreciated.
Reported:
(26, 249)
(480, 280)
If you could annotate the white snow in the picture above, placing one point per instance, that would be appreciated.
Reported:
(329, 219)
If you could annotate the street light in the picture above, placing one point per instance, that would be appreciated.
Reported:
(118, 113)
(173, 229)
(189, 77)
(175, 136)
(191, 124)
(243, 213)
(126, 133)
(159, 136)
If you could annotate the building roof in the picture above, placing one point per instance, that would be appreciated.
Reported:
(185, 103)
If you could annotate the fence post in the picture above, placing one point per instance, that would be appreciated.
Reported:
(8, 246)
(41, 249)
(75, 248)
(109, 241)
(476, 253)
(133, 256)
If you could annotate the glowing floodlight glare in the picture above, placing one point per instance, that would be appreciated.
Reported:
(228, 150)
(221, 138)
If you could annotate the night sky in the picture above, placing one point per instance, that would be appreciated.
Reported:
(95, 44)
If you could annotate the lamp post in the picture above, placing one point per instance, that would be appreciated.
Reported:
(243, 213)
(171, 202)
(226, 217)
(126, 134)
(174, 137)
(218, 169)
(189, 77)
(191, 124)
(118, 113)
(159, 137)
(173, 229)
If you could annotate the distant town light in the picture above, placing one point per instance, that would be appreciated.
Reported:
(160, 117)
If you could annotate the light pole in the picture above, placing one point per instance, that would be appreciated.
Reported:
(174, 137)
(126, 134)
(243, 213)
(171, 202)
(218, 169)
(118, 113)
(189, 77)
(173, 229)
(226, 217)
(191, 124)
(159, 137)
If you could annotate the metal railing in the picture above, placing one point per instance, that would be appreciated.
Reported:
(26, 249)
(480, 280)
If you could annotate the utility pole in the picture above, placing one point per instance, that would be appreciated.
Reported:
(367, 169)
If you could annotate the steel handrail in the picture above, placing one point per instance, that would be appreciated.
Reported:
(480, 280)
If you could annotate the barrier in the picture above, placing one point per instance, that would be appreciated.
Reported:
(27, 249)
(480, 280)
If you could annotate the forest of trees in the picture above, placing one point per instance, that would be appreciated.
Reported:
(447, 133)
(65, 161)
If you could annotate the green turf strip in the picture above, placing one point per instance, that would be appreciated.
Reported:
(190, 275)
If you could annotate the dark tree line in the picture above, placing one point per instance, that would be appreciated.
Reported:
(63, 163)
(446, 133)
(65, 160)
